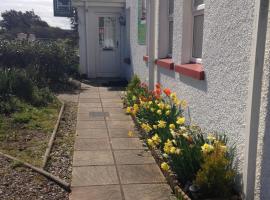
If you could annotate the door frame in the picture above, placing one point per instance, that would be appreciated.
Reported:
(97, 47)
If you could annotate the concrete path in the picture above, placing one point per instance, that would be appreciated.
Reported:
(107, 164)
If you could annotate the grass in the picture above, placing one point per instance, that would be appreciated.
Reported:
(25, 133)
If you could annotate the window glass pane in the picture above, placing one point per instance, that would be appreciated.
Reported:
(197, 36)
(171, 7)
(198, 2)
(107, 32)
(170, 37)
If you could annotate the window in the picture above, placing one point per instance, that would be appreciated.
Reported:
(170, 19)
(198, 20)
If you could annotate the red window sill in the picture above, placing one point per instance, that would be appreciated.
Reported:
(145, 58)
(166, 63)
(192, 70)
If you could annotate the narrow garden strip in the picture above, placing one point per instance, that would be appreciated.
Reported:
(198, 165)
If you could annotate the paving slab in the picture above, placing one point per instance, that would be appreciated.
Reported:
(121, 133)
(88, 158)
(91, 144)
(87, 100)
(94, 175)
(115, 100)
(121, 124)
(91, 124)
(92, 133)
(140, 174)
(148, 192)
(127, 143)
(107, 192)
(89, 117)
(131, 157)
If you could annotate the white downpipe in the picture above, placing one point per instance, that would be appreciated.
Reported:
(254, 97)
(152, 35)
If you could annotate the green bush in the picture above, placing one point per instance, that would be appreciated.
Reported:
(46, 62)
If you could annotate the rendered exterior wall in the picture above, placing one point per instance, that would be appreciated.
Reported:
(263, 157)
(138, 66)
(219, 102)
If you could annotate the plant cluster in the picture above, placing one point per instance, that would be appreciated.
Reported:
(46, 62)
(196, 157)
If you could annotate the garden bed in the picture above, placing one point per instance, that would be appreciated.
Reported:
(194, 162)
(22, 183)
(25, 134)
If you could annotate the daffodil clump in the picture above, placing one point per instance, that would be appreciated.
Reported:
(184, 146)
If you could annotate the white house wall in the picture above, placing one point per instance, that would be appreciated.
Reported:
(136, 51)
(219, 102)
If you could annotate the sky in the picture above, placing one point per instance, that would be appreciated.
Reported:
(43, 8)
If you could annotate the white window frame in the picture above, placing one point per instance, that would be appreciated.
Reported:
(196, 11)
(170, 20)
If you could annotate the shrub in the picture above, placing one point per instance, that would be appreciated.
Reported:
(46, 62)
(21, 118)
(216, 176)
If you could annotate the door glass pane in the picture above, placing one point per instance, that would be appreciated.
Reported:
(107, 29)
(197, 36)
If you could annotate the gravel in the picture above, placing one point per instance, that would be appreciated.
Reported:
(20, 183)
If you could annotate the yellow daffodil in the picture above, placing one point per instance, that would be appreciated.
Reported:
(184, 103)
(156, 139)
(128, 110)
(130, 133)
(172, 126)
(165, 166)
(173, 95)
(155, 126)
(223, 148)
(161, 124)
(150, 102)
(150, 142)
(172, 150)
(146, 127)
(161, 105)
(178, 151)
(207, 148)
(165, 155)
(211, 138)
(168, 112)
(159, 112)
(152, 109)
(168, 107)
(181, 120)
(167, 146)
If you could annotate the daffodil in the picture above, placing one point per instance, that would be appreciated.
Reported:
(181, 120)
(161, 105)
(128, 110)
(184, 103)
(172, 126)
(161, 124)
(168, 112)
(155, 126)
(152, 109)
(165, 167)
(178, 151)
(130, 133)
(150, 142)
(159, 112)
(211, 138)
(172, 150)
(168, 107)
(173, 95)
(156, 139)
(146, 127)
(207, 148)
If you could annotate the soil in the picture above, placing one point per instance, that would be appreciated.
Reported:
(20, 183)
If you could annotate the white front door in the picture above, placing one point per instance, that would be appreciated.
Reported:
(108, 46)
